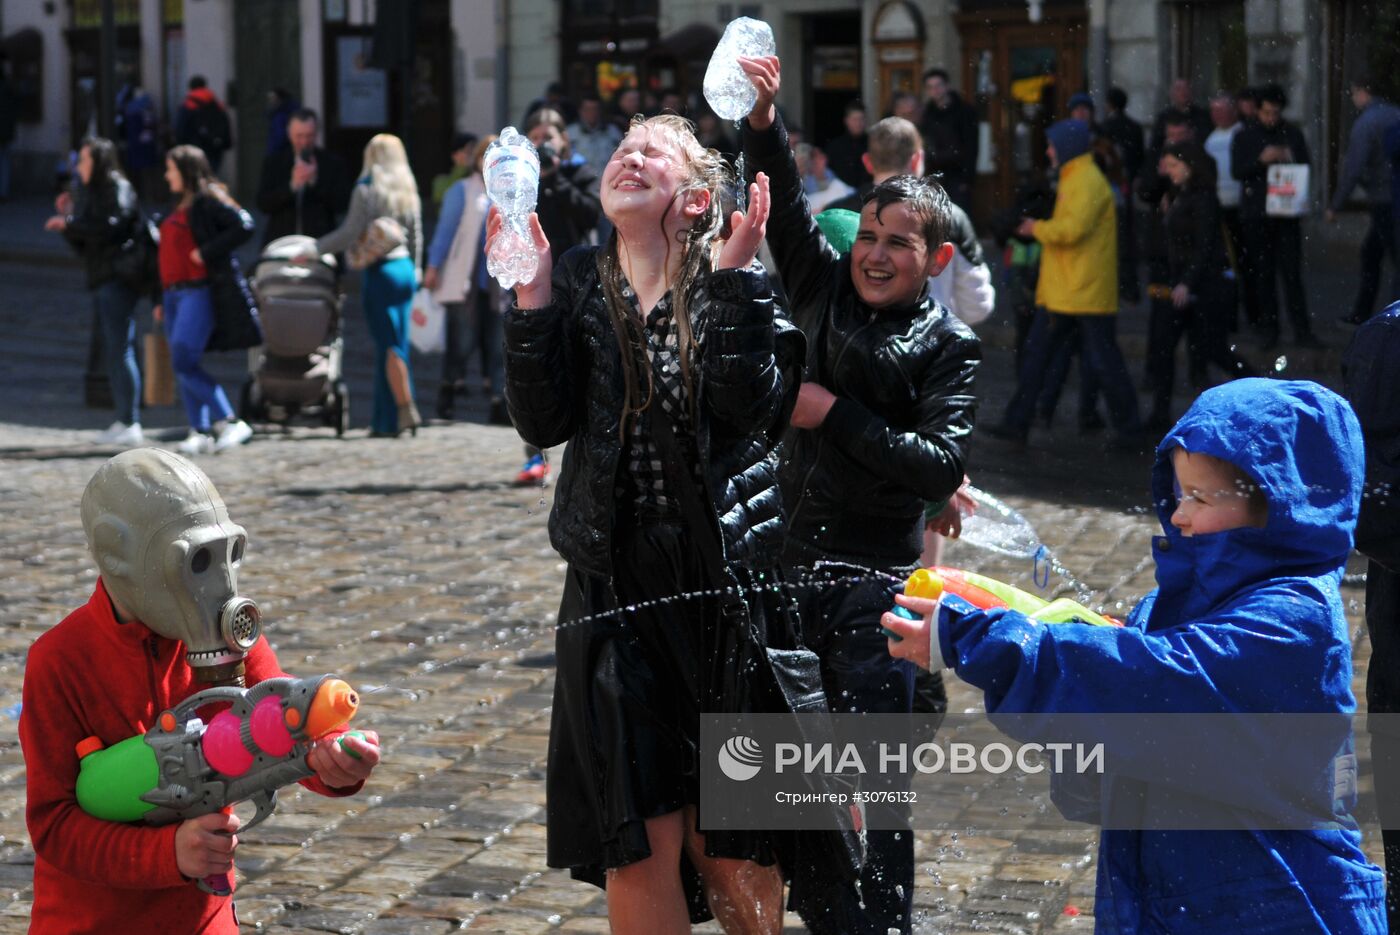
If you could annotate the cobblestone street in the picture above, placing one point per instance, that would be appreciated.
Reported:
(415, 571)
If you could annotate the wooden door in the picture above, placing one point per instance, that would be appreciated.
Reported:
(901, 65)
(1020, 76)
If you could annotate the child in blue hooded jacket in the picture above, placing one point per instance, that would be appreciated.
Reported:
(1257, 488)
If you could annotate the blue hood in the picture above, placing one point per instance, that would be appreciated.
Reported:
(1302, 444)
(1070, 139)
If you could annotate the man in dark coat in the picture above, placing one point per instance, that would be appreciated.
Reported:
(1368, 164)
(1371, 369)
(203, 122)
(303, 188)
(1274, 245)
(1126, 135)
(949, 128)
(1181, 104)
(844, 153)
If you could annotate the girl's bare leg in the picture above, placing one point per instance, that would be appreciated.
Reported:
(397, 372)
(646, 897)
(746, 898)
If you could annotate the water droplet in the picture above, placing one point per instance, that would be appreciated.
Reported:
(1280, 364)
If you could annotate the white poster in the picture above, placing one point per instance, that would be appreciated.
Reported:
(363, 92)
(1288, 190)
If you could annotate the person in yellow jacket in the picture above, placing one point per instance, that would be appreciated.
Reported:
(1078, 290)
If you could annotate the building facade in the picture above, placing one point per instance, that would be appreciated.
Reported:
(318, 50)
(477, 64)
(1016, 61)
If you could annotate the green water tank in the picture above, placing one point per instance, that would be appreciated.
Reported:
(111, 781)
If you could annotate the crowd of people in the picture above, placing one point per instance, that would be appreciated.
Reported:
(1186, 198)
(726, 372)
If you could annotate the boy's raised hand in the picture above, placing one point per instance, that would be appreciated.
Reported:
(538, 292)
(766, 74)
(746, 231)
(345, 760)
(204, 846)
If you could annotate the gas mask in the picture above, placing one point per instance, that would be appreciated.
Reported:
(169, 555)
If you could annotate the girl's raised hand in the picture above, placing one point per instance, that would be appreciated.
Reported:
(538, 292)
(766, 74)
(746, 231)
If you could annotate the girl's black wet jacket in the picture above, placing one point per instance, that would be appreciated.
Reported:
(564, 383)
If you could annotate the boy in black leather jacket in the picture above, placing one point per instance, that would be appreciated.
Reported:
(881, 426)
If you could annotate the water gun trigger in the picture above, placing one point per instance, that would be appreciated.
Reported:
(922, 583)
(358, 735)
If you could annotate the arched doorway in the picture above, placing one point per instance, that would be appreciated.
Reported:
(898, 37)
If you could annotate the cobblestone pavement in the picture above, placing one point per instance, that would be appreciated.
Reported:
(414, 570)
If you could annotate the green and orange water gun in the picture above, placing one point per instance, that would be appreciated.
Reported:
(988, 593)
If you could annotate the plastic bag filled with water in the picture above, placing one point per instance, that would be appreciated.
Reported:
(729, 92)
(511, 169)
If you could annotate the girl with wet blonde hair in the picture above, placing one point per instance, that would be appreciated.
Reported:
(660, 360)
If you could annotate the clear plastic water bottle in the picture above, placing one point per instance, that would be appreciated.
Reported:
(729, 92)
(511, 169)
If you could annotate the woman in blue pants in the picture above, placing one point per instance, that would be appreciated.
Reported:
(387, 189)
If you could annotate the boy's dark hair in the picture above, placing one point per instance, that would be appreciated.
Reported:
(937, 73)
(853, 106)
(462, 141)
(1273, 94)
(305, 115)
(925, 198)
(197, 82)
(1117, 99)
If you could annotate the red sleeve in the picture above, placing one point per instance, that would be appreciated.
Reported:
(114, 854)
(262, 663)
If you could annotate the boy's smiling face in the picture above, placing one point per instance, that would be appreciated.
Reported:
(891, 259)
(1213, 496)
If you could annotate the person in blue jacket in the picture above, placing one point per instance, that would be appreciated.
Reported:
(1258, 488)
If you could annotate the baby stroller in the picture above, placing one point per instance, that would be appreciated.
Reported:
(297, 371)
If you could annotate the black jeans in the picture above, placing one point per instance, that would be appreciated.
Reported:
(1383, 697)
(1239, 262)
(1380, 243)
(472, 326)
(1050, 333)
(841, 622)
(1205, 322)
(116, 306)
(1275, 249)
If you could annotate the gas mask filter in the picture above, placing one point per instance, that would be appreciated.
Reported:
(169, 555)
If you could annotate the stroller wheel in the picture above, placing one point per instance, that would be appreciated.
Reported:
(340, 409)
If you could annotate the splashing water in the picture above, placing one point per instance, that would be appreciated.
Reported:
(997, 527)
(741, 188)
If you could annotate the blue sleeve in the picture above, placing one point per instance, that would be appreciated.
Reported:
(449, 219)
(1273, 651)
(1359, 145)
(1237, 658)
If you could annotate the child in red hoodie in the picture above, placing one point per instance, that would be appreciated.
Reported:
(164, 622)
